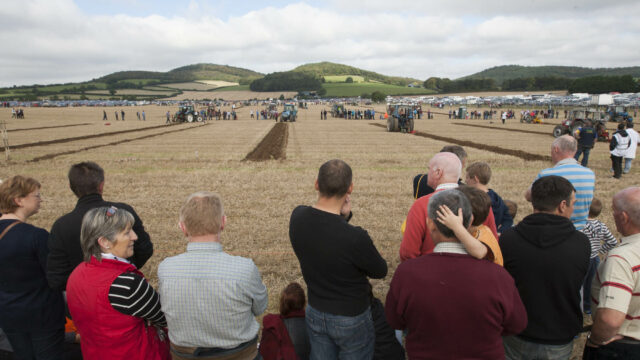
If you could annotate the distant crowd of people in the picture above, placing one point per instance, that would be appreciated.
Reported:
(470, 283)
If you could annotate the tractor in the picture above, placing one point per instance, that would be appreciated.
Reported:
(576, 119)
(271, 110)
(289, 113)
(400, 117)
(617, 113)
(187, 113)
(337, 110)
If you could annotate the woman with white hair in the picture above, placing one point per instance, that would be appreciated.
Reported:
(116, 311)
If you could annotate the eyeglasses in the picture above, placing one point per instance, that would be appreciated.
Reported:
(111, 211)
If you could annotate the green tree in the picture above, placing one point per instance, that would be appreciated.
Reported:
(378, 96)
(281, 97)
(349, 80)
(112, 91)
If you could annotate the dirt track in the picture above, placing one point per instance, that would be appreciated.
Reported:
(496, 149)
(53, 155)
(273, 146)
(504, 129)
(47, 127)
(65, 140)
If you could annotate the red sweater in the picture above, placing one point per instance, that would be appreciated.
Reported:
(454, 307)
(416, 240)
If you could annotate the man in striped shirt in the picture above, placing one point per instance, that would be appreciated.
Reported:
(583, 179)
(616, 289)
(209, 297)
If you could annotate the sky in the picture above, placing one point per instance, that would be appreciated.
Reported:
(59, 41)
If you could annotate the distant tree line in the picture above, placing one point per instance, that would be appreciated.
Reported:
(590, 84)
(287, 81)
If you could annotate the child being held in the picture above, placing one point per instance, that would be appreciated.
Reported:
(601, 241)
(478, 240)
(478, 176)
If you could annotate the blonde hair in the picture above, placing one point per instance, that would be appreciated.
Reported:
(15, 187)
(105, 222)
(202, 214)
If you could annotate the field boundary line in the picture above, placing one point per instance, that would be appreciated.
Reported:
(53, 155)
(48, 127)
(503, 129)
(496, 149)
(84, 137)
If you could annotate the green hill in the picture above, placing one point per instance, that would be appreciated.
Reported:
(501, 73)
(186, 74)
(332, 69)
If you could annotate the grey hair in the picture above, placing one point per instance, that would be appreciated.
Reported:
(628, 200)
(567, 144)
(97, 224)
(454, 200)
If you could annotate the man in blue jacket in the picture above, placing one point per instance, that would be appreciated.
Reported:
(587, 137)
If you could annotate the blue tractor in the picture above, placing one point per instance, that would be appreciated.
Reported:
(289, 113)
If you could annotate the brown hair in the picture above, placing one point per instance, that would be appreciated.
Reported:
(292, 298)
(334, 178)
(513, 208)
(595, 208)
(481, 170)
(13, 188)
(85, 178)
(202, 214)
(480, 203)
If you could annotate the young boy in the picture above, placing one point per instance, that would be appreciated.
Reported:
(601, 242)
(513, 208)
(478, 240)
(478, 176)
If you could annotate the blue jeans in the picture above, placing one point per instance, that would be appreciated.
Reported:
(627, 165)
(586, 287)
(516, 348)
(39, 345)
(583, 150)
(340, 337)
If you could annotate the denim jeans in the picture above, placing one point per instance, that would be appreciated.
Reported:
(340, 337)
(39, 345)
(586, 287)
(516, 348)
(583, 150)
(627, 165)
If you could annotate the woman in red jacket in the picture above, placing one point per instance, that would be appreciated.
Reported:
(284, 336)
(116, 311)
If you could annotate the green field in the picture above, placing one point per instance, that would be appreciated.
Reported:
(233, 88)
(357, 89)
(343, 78)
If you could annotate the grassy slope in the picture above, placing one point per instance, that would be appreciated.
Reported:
(329, 68)
(357, 89)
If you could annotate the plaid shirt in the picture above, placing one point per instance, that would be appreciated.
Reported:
(210, 298)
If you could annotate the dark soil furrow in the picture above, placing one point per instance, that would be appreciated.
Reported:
(273, 146)
(84, 137)
(53, 155)
(47, 127)
(496, 149)
(505, 129)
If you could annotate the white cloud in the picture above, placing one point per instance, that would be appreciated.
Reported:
(54, 41)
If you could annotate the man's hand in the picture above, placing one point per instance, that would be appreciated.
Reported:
(346, 207)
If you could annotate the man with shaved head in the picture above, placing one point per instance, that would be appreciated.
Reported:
(616, 327)
(582, 178)
(444, 171)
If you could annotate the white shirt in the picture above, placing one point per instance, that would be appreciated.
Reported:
(631, 151)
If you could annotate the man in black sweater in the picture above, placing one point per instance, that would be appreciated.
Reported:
(86, 180)
(548, 259)
(336, 258)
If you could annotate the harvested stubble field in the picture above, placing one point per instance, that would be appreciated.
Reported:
(154, 168)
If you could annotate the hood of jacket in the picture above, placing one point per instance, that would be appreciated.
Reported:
(622, 133)
(545, 230)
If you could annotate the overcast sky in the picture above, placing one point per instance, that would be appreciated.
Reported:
(55, 41)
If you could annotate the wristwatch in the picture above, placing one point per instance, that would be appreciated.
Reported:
(589, 339)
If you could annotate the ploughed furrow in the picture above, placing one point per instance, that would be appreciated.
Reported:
(47, 127)
(504, 129)
(273, 146)
(84, 137)
(53, 155)
(496, 149)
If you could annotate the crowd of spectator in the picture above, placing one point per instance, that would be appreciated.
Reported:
(470, 283)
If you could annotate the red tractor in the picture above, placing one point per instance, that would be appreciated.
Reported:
(577, 118)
